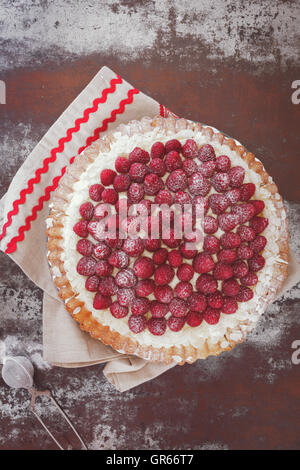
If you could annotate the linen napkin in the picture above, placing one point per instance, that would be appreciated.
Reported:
(107, 101)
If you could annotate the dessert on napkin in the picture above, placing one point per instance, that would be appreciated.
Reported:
(193, 290)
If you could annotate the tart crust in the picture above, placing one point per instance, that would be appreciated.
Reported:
(181, 353)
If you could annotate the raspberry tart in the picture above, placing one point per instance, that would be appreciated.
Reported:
(156, 297)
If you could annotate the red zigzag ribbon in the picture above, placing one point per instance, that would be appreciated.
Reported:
(12, 245)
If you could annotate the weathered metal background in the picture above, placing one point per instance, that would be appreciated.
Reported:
(226, 63)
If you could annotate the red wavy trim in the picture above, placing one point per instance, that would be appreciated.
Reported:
(57, 150)
(161, 110)
(12, 245)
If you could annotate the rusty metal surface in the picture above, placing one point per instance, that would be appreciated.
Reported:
(224, 63)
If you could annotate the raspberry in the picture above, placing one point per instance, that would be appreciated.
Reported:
(218, 203)
(190, 149)
(210, 224)
(211, 244)
(197, 302)
(230, 287)
(103, 268)
(176, 324)
(171, 241)
(222, 271)
(101, 251)
(110, 196)
(207, 169)
(145, 288)
(86, 266)
(95, 192)
(158, 309)
(164, 197)
(135, 193)
(119, 259)
(163, 294)
(185, 272)
(202, 202)
(228, 255)
(187, 252)
(107, 177)
(194, 319)
(229, 306)
(173, 144)
(139, 155)
(244, 252)
(174, 258)
(206, 284)
(157, 326)
(152, 244)
(189, 167)
(126, 296)
(118, 311)
(249, 280)
(121, 183)
(143, 267)
(160, 256)
(133, 247)
(206, 153)
(80, 228)
(223, 163)
(101, 302)
(178, 307)
(177, 180)
(256, 263)
(158, 166)
(247, 234)
(233, 195)
(107, 286)
(183, 289)
(122, 164)
(247, 191)
(137, 323)
(240, 268)
(163, 275)
(258, 206)
(258, 243)
(173, 161)
(126, 278)
(244, 212)
(198, 185)
(259, 224)
(140, 306)
(137, 172)
(153, 184)
(228, 222)
(122, 205)
(230, 240)
(84, 247)
(236, 175)
(220, 182)
(203, 263)
(215, 300)
(181, 198)
(244, 294)
(147, 206)
(86, 210)
(211, 316)
(158, 150)
(114, 242)
(92, 283)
